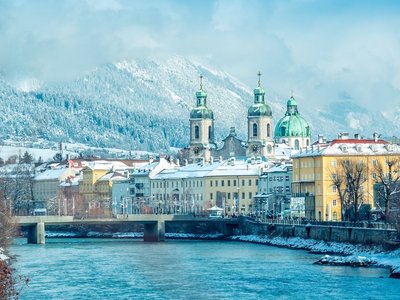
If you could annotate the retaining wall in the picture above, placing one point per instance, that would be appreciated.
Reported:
(319, 232)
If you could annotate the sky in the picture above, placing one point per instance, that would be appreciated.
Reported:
(326, 51)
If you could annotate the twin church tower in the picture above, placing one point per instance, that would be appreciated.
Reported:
(262, 139)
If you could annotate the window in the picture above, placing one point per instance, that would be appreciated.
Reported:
(334, 188)
(250, 195)
(229, 183)
(222, 182)
(257, 182)
(216, 182)
(211, 196)
(334, 216)
(287, 188)
(211, 183)
(334, 176)
(209, 133)
(234, 183)
(374, 176)
(374, 162)
(249, 182)
(196, 132)
(287, 178)
(255, 133)
(268, 130)
(333, 163)
(242, 182)
(243, 196)
(296, 144)
(229, 196)
(334, 202)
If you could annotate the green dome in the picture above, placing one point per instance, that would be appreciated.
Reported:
(259, 109)
(201, 112)
(259, 91)
(201, 94)
(291, 102)
(292, 124)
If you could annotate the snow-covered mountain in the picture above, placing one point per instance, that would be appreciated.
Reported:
(145, 105)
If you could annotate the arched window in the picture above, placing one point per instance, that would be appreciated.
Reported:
(296, 144)
(209, 132)
(196, 132)
(268, 130)
(255, 131)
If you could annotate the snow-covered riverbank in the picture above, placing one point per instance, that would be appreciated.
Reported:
(2, 255)
(344, 254)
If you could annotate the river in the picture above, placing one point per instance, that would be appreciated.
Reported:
(72, 268)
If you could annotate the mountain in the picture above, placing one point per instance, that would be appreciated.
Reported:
(145, 105)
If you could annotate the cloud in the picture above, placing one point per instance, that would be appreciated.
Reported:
(320, 49)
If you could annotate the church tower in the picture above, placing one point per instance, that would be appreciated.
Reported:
(259, 123)
(201, 127)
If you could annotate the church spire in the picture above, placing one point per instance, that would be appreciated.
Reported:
(201, 95)
(259, 91)
(259, 78)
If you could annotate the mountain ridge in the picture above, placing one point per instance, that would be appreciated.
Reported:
(145, 105)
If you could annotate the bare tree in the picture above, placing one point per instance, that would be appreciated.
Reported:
(387, 178)
(349, 178)
(16, 189)
(7, 231)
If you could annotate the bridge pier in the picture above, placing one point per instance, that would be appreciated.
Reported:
(36, 234)
(154, 231)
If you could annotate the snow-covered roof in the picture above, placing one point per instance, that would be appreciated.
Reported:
(52, 174)
(189, 171)
(74, 181)
(236, 168)
(278, 168)
(350, 147)
(112, 176)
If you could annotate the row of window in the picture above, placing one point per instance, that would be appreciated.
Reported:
(234, 195)
(166, 184)
(228, 182)
(278, 178)
(255, 130)
(175, 197)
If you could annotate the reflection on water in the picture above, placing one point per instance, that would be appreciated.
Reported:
(132, 269)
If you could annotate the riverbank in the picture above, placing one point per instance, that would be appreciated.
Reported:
(340, 253)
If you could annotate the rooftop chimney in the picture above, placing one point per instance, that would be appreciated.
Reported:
(357, 136)
(320, 138)
(376, 136)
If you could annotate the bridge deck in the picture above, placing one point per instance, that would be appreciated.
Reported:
(69, 220)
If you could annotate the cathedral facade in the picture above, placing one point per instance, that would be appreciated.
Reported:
(262, 137)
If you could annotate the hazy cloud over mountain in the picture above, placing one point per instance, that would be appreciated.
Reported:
(326, 51)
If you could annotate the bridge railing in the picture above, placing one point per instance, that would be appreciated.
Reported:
(361, 224)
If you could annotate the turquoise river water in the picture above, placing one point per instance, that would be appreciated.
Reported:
(72, 268)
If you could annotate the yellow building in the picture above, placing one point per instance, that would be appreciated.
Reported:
(233, 185)
(315, 168)
(95, 187)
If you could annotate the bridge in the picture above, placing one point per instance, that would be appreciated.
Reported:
(154, 225)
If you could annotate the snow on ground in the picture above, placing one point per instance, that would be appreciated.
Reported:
(2, 255)
(347, 252)
(205, 236)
